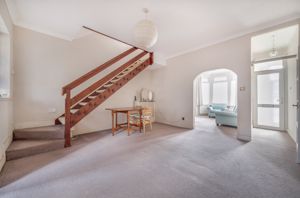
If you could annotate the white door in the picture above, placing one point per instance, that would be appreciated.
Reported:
(269, 100)
(292, 98)
(297, 106)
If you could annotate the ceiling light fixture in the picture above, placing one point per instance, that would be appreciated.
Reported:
(274, 52)
(145, 32)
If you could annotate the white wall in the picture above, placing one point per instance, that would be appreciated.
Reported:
(6, 105)
(44, 64)
(173, 85)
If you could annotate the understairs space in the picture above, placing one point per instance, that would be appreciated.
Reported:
(167, 162)
(32, 141)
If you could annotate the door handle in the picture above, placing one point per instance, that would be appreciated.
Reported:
(296, 105)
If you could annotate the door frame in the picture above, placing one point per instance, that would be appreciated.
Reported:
(298, 108)
(281, 105)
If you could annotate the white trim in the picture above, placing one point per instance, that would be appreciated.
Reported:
(9, 99)
(172, 125)
(31, 124)
(3, 147)
(7, 141)
(46, 32)
(2, 160)
(298, 154)
(281, 105)
(244, 33)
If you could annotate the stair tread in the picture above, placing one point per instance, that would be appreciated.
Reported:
(100, 91)
(62, 119)
(25, 144)
(52, 128)
(24, 148)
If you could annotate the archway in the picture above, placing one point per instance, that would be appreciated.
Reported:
(215, 98)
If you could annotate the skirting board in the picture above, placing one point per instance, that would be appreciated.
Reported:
(4, 147)
(298, 154)
(244, 138)
(168, 124)
(2, 160)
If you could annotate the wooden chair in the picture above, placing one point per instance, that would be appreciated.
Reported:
(147, 114)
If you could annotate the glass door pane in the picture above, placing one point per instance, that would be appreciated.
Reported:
(268, 89)
(267, 116)
(268, 99)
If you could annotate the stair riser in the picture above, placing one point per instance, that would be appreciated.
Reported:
(38, 135)
(12, 155)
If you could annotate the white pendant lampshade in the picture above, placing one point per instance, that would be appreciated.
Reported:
(145, 33)
(274, 51)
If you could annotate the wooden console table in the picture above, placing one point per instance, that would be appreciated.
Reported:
(125, 110)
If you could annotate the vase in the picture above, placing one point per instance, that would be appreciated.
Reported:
(150, 96)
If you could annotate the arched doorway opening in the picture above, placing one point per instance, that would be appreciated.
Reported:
(215, 99)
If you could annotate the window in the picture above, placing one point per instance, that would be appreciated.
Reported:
(4, 63)
(218, 87)
(233, 93)
(220, 79)
(220, 92)
(205, 92)
(268, 66)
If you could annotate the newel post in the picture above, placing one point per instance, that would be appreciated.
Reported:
(68, 118)
(151, 58)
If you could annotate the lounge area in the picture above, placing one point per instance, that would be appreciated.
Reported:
(216, 95)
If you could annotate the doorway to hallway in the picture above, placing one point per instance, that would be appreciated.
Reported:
(269, 97)
(275, 82)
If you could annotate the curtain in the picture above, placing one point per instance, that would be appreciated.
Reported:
(198, 95)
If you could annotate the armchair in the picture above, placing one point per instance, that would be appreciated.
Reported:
(213, 108)
(227, 117)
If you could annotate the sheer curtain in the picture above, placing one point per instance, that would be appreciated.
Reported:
(198, 92)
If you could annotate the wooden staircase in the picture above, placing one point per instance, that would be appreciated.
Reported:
(37, 140)
(80, 105)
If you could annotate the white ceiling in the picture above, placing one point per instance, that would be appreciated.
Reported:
(183, 25)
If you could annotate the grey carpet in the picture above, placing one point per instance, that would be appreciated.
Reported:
(168, 162)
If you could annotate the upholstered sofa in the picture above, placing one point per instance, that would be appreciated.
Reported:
(213, 108)
(227, 117)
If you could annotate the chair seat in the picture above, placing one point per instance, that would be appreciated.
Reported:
(137, 116)
(144, 119)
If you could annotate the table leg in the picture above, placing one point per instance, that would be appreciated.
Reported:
(128, 123)
(141, 121)
(117, 127)
(113, 123)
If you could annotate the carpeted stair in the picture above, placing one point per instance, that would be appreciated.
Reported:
(32, 141)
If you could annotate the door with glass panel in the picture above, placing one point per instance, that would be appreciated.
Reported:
(269, 100)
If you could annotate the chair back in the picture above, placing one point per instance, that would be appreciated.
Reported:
(147, 111)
